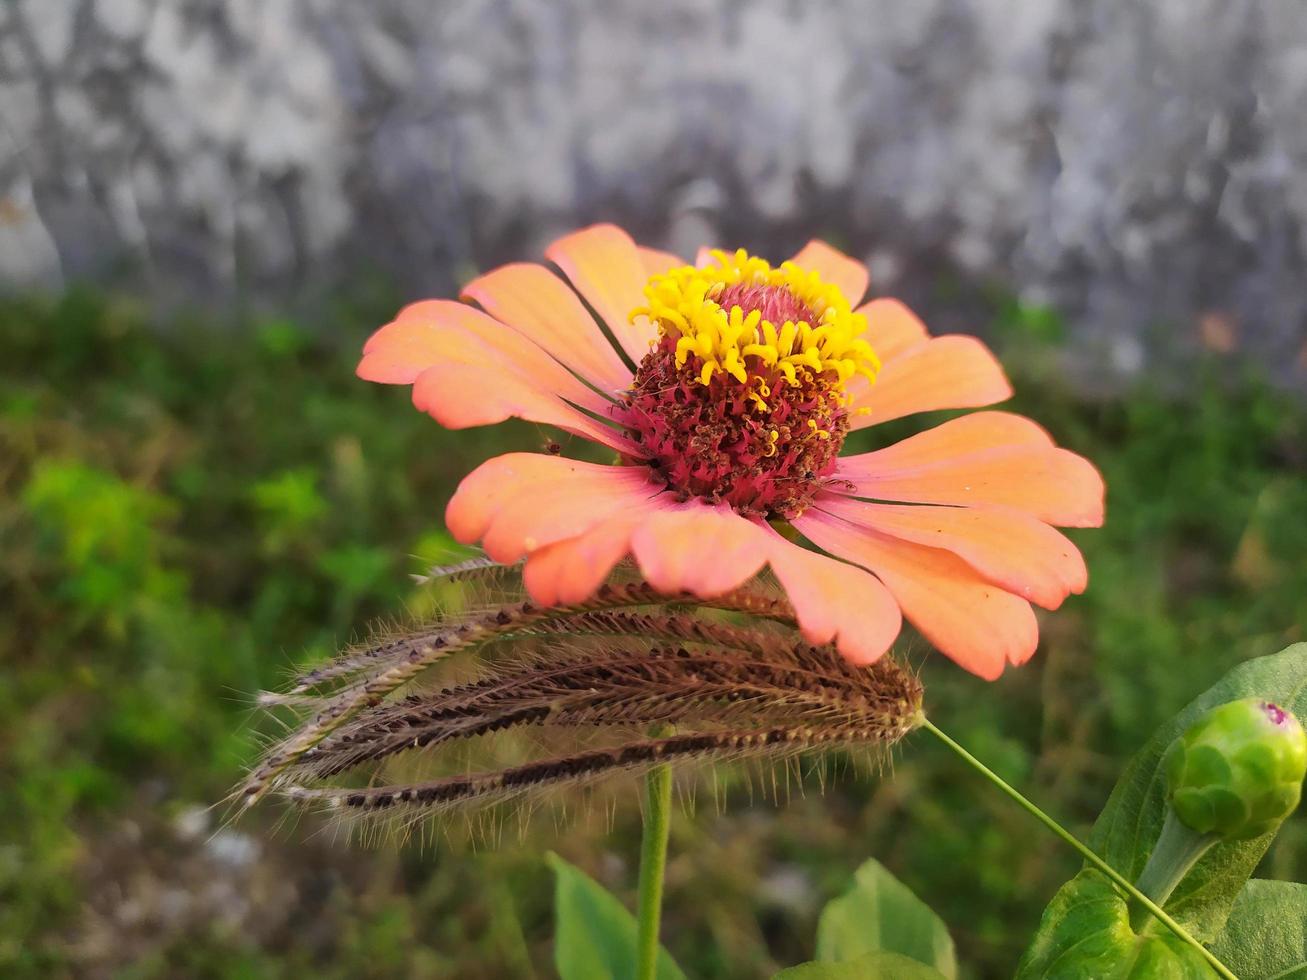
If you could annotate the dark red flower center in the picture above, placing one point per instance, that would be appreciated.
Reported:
(763, 445)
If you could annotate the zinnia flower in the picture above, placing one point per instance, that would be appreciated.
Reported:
(746, 380)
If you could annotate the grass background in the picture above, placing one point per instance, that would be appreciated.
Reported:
(188, 509)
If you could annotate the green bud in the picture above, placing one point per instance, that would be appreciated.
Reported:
(1238, 771)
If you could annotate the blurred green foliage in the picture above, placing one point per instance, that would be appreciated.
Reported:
(188, 509)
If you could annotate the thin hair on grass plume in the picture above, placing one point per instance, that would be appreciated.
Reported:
(629, 683)
(633, 679)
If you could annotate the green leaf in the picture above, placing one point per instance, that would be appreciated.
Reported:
(1265, 937)
(880, 914)
(594, 935)
(1129, 825)
(1085, 934)
(871, 966)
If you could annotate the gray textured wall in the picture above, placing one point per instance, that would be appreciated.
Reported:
(1137, 163)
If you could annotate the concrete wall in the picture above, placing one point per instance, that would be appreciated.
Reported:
(1139, 164)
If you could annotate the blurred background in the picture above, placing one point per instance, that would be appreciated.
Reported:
(207, 205)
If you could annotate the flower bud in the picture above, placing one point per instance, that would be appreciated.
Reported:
(1238, 771)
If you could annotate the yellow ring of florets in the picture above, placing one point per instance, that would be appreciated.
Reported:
(683, 304)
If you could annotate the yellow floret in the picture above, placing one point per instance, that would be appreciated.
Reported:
(683, 304)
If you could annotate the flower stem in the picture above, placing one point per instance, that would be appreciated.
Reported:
(1177, 850)
(653, 861)
(1084, 851)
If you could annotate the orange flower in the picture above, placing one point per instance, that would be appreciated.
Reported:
(747, 380)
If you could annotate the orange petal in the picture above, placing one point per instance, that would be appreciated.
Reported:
(891, 327)
(541, 514)
(835, 267)
(656, 261)
(836, 602)
(986, 459)
(461, 396)
(439, 331)
(401, 350)
(606, 268)
(945, 372)
(695, 548)
(973, 622)
(973, 433)
(536, 303)
(571, 571)
(468, 369)
(521, 501)
(1010, 548)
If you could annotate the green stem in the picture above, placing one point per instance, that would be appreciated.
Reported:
(1085, 852)
(1176, 852)
(653, 861)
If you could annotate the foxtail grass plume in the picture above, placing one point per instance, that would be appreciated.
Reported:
(726, 388)
(624, 680)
